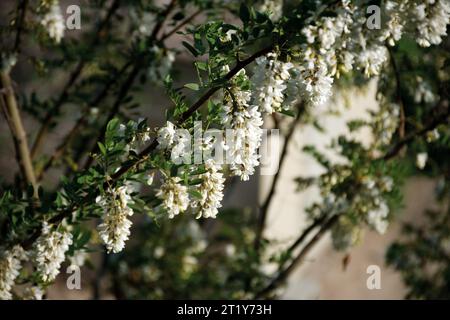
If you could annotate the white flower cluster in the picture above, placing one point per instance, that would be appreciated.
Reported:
(340, 43)
(115, 229)
(10, 265)
(49, 251)
(246, 121)
(377, 218)
(166, 136)
(388, 121)
(174, 195)
(426, 20)
(331, 31)
(211, 191)
(315, 81)
(325, 55)
(269, 81)
(273, 7)
(395, 21)
(378, 214)
(432, 17)
(371, 59)
(53, 21)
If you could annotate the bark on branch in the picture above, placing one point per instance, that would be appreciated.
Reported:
(17, 130)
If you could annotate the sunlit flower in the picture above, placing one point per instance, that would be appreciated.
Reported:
(49, 251)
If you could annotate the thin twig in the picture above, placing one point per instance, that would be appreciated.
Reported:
(181, 25)
(43, 130)
(283, 275)
(164, 16)
(21, 11)
(399, 95)
(127, 85)
(18, 132)
(188, 113)
(60, 150)
(143, 156)
(441, 116)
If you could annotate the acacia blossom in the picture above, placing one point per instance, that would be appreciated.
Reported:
(377, 218)
(269, 83)
(432, 17)
(211, 191)
(394, 13)
(53, 21)
(115, 229)
(245, 120)
(174, 195)
(166, 135)
(274, 8)
(315, 82)
(10, 265)
(371, 59)
(49, 251)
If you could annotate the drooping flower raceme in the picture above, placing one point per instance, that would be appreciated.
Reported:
(211, 191)
(315, 82)
(396, 19)
(10, 265)
(274, 8)
(53, 22)
(371, 59)
(115, 229)
(49, 251)
(432, 17)
(377, 218)
(269, 83)
(245, 121)
(174, 195)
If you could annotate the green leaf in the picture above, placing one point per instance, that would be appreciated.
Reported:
(195, 182)
(102, 148)
(192, 86)
(202, 65)
(112, 125)
(288, 113)
(195, 194)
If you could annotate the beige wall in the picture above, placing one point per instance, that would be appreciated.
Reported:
(322, 276)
